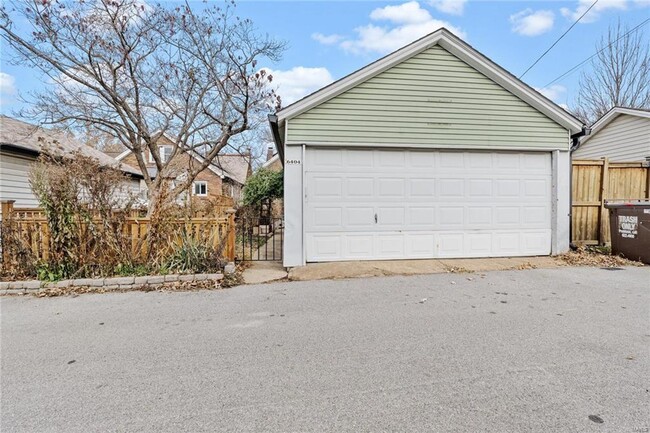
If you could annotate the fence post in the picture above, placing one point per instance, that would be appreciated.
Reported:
(230, 242)
(604, 194)
(6, 209)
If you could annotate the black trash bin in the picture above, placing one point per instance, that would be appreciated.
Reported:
(629, 224)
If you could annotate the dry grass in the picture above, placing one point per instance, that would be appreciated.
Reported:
(595, 257)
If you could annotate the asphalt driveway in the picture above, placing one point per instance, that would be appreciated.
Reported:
(512, 351)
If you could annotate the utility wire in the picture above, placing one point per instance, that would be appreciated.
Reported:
(558, 40)
(596, 53)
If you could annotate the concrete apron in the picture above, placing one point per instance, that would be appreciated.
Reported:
(264, 272)
(364, 269)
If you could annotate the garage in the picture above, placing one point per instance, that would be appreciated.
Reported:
(433, 151)
(404, 204)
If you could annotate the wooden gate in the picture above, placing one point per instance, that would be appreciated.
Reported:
(594, 183)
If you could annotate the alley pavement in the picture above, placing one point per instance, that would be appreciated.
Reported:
(542, 350)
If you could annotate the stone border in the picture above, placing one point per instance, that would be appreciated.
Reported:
(105, 284)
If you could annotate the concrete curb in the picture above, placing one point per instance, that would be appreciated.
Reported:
(107, 284)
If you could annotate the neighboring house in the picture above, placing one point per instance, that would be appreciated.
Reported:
(622, 135)
(432, 151)
(20, 145)
(273, 161)
(225, 176)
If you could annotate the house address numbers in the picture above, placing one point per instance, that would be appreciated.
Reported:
(292, 162)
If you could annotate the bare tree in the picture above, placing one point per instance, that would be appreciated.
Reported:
(139, 71)
(619, 76)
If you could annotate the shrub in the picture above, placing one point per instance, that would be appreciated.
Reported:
(263, 184)
(85, 205)
(193, 256)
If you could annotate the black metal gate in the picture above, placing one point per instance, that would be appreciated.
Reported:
(259, 239)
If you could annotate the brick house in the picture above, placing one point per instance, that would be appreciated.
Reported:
(226, 175)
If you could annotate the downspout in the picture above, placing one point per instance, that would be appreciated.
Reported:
(275, 130)
(575, 144)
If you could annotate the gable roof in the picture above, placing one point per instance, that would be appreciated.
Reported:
(445, 39)
(32, 139)
(236, 164)
(233, 166)
(610, 116)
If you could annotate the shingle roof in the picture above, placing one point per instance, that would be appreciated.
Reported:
(235, 165)
(32, 138)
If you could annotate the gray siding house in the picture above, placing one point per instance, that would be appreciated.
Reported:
(622, 135)
(432, 151)
(20, 145)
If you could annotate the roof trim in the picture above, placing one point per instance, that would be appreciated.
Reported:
(612, 114)
(455, 46)
(16, 148)
(271, 160)
(123, 155)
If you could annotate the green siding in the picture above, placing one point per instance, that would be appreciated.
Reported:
(430, 100)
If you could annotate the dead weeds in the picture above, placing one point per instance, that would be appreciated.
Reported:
(596, 257)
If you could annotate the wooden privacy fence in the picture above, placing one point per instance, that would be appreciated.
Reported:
(594, 183)
(32, 229)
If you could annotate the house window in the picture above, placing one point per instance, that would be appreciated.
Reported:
(165, 153)
(200, 188)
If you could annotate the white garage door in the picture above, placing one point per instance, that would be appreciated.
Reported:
(397, 204)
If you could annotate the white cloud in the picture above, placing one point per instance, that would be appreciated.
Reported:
(532, 23)
(327, 39)
(452, 7)
(7, 84)
(406, 13)
(554, 92)
(408, 22)
(594, 13)
(298, 82)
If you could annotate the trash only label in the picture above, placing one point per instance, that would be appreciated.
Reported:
(628, 226)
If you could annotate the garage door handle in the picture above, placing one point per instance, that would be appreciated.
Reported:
(375, 218)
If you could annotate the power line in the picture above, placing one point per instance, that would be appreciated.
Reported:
(597, 52)
(559, 39)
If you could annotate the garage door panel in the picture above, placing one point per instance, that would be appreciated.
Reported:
(506, 216)
(323, 247)
(422, 187)
(451, 188)
(359, 246)
(390, 188)
(361, 216)
(479, 216)
(427, 203)
(360, 187)
(327, 187)
(389, 245)
(420, 245)
(450, 217)
(327, 218)
(422, 159)
(391, 216)
(451, 160)
(422, 217)
(477, 244)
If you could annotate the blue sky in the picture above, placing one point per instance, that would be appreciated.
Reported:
(327, 40)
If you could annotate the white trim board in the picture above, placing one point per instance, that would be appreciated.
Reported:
(424, 146)
(457, 47)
